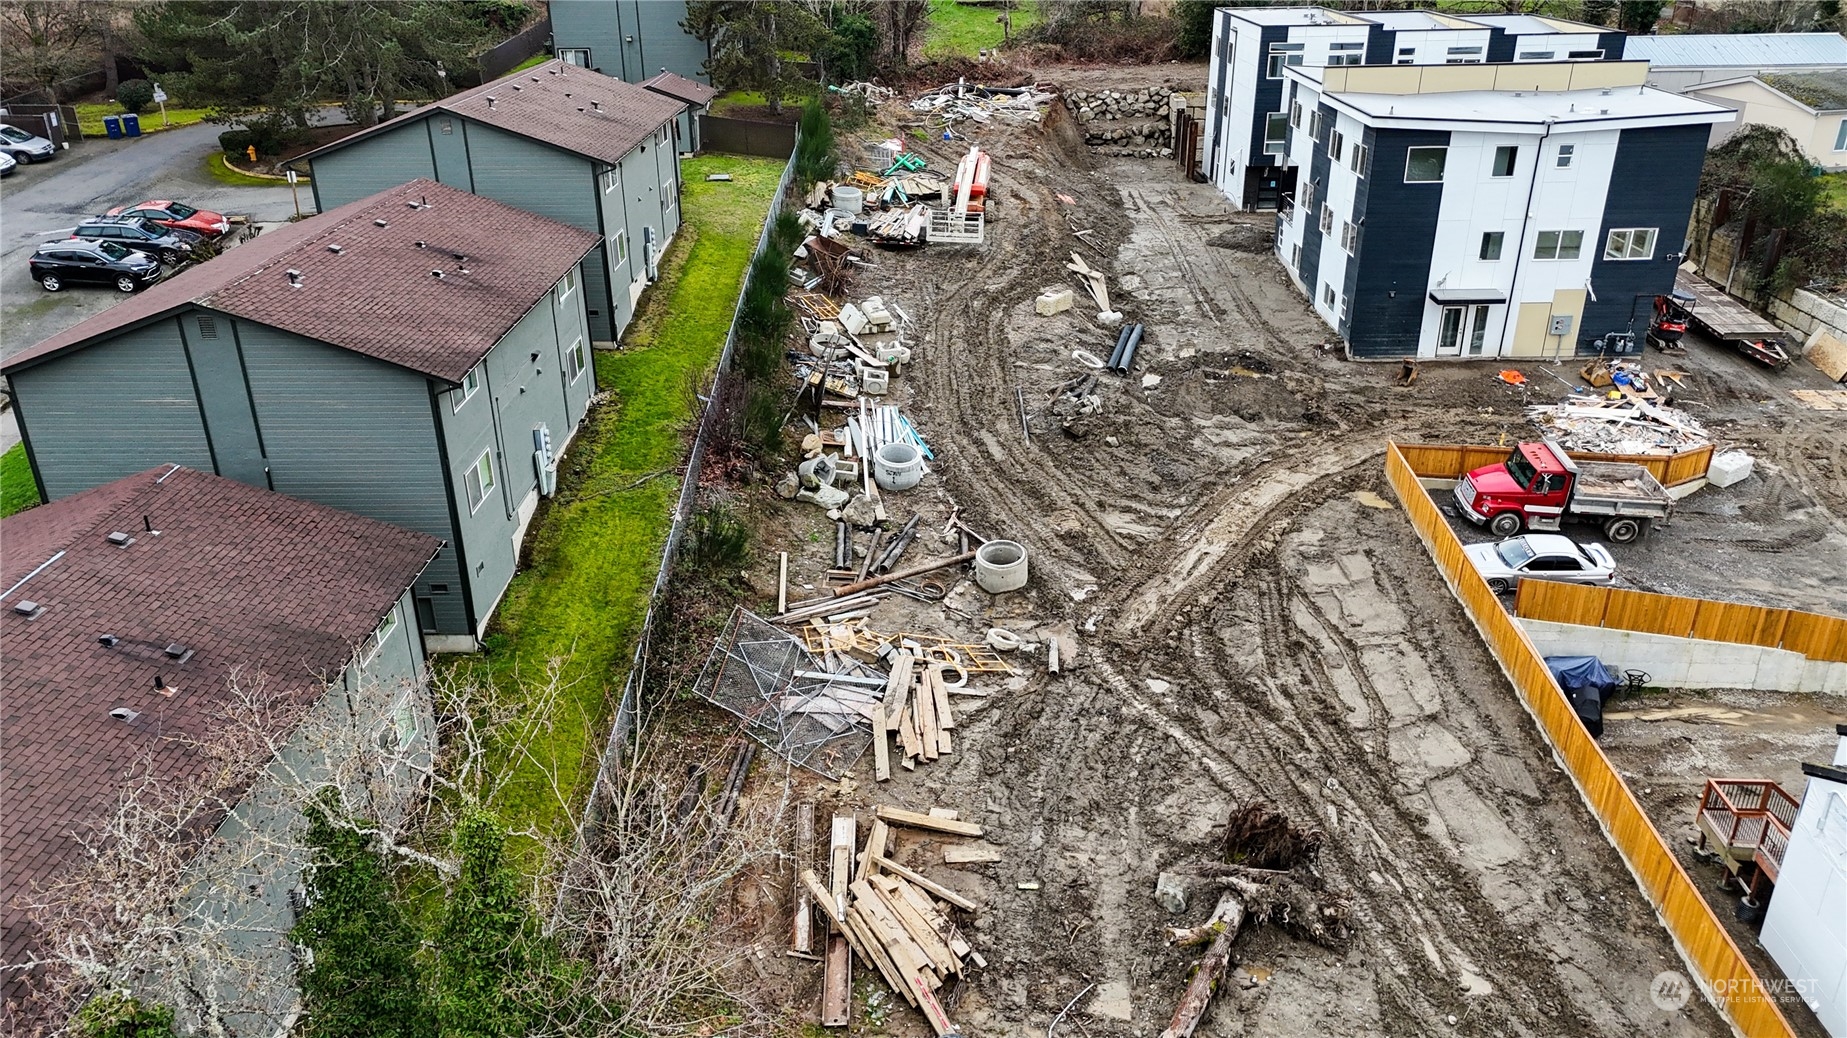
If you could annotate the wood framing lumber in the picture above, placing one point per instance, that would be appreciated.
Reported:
(840, 857)
(932, 915)
(802, 940)
(949, 813)
(782, 583)
(888, 931)
(907, 734)
(866, 863)
(932, 1010)
(977, 855)
(917, 820)
(830, 906)
(940, 690)
(873, 952)
(881, 745)
(924, 709)
(935, 889)
(922, 933)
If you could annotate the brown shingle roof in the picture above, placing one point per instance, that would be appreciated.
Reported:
(243, 577)
(680, 88)
(557, 103)
(375, 296)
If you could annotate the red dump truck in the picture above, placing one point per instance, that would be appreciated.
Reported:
(1539, 486)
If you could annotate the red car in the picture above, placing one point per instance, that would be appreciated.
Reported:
(175, 214)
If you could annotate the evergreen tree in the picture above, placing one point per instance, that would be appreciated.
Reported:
(488, 952)
(752, 42)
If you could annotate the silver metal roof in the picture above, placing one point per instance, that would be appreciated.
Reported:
(1739, 50)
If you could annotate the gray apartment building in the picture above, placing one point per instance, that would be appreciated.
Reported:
(132, 609)
(420, 356)
(628, 39)
(561, 141)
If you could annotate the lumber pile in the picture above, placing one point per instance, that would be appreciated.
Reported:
(893, 919)
(915, 709)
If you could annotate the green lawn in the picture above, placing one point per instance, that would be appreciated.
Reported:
(533, 62)
(225, 173)
(731, 100)
(965, 29)
(1834, 190)
(90, 118)
(17, 490)
(594, 551)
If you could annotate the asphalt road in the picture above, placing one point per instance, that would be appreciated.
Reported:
(38, 201)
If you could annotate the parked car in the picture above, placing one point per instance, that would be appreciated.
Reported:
(7, 164)
(25, 147)
(176, 214)
(60, 263)
(1540, 556)
(165, 244)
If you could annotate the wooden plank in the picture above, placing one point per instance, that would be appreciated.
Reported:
(907, 734)
(917, 820)
(935, 889)
(887, 931)
(874, 952)
(866, 863)
(923, 703)
(940, 689)
(921, 932)
(840, 856)
(976, 855)
(933, 916)
(837, 984)
(932, 1010)
(881, 745)
(802, 940)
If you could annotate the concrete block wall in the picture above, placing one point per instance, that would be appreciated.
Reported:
(1689, 662)
(1800, 312)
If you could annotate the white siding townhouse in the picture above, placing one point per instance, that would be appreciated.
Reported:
(1244, 128)
(1513, 210)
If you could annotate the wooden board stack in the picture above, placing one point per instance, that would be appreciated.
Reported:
(916, 709)
(891, 918)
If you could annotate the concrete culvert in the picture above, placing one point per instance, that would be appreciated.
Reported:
(897, 466)
(1000, 566)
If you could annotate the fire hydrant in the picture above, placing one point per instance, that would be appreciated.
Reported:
(252, 152)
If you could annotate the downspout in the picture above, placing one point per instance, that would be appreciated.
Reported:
(1526, 214)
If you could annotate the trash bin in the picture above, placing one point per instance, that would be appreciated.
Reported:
(113, 124)
(131, 125)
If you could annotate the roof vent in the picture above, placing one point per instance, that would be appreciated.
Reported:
(596, 106)
(1603, 111)
(516, 86)
(294, 278)
(423, 202)
(27, 608)
(176, 651)
(421, 244)
(438, 275)
(120, 539)
(535, 79)
(567, 93)
(380, 222)
(124, 715)
(161, 686)
(580, 109)
(491, 99)
(1605, 91)
(107, 641)
(335, 249)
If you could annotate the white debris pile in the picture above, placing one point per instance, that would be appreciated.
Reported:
(1626, 426)
(959, 101)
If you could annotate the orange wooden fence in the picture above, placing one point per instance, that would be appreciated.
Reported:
(1450, 461)
(1708, 950)
(1815, 635)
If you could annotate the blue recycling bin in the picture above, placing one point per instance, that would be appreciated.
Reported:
(131, 125)
(113, 124)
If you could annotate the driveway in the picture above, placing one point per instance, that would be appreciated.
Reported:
(40, 200)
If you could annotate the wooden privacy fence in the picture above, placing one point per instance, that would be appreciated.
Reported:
(1815, 635)
(1720, 969)
(1451, 461)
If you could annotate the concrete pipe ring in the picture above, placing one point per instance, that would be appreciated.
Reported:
(1000, 566)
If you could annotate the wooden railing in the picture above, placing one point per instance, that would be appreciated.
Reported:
(1815, 635)
(1723, 974)
(1451, 461)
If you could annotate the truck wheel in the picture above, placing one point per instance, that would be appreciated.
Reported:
(1622, 530)
(1505, 525)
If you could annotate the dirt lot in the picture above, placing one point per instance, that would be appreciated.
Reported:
(1667, 745)
(1255, 621)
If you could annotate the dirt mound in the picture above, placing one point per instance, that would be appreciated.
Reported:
(1244, 237)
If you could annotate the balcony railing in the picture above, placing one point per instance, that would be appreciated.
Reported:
(1750, 819)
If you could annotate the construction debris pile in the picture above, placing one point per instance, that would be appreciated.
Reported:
(962, 102)
(1137, 124)
(1626, 425)
(893, 919)
(886, 206)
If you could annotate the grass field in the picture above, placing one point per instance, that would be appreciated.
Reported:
(1834, 190)
(90, 118)
(222, 172)
(594, 551)
(966, 29)
(17, 490)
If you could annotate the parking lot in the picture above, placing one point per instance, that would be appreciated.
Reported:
(41, 200)
(1779, 537)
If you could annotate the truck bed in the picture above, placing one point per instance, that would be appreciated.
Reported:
(1721, 316)
(1620, 488)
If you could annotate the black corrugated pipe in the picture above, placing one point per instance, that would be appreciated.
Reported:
(1128, 350)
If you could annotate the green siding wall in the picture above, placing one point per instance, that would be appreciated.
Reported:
(382, 161)
(628, 39)
(113, 410)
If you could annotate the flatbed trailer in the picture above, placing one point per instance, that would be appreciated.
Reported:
(1732, 323)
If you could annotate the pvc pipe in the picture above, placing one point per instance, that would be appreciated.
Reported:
(1128, 351)
(1122, 337)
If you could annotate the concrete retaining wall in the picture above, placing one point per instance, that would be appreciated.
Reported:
(1688, 662)
(1804, 314)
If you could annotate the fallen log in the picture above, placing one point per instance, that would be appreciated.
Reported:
(1222, 929)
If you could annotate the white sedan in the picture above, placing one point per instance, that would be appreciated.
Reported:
(1540, 556)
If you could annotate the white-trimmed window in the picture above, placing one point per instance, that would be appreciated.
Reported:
(1275, 132)
(1463, 56)
(471, 384)
(1491, 242)
(621, 247)
(1840, 137)
(479, 480)
(1308, 197)
(1425, 165)
(567, 285)
(1566, 152)
(670, 196)
(609, 180)
(1328, 297)
(1314, 124)
(579, 56)
(574, 361)
(1362, 159)
(1632, 243)
(1295, 116)
(1558, 245)
(380, 635)
(1349, 237)
(1505, 158)
(1282, 54)
(1346, 308)
(1345, 53)
(404, 719)
(1337, 146)
(1327, 218)
(1295, 258)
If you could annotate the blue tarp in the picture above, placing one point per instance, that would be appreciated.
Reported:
(1587, 684)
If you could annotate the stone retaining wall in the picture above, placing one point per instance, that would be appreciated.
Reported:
(1132, 123)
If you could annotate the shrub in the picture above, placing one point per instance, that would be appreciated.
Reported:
(135, 95)
(116, 1015)
(815, 157)
(234, 142)
(718, 542)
